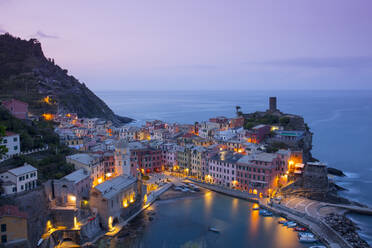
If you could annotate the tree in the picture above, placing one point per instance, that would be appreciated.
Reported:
(3, 149)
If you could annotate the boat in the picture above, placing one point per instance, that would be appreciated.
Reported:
(256, 208)
(288, 222)
(282, 222)
(306, 234)
(300, 229)
(212, 229)
(307, 239)
(265, 213)
(293, 224)
(318, 246)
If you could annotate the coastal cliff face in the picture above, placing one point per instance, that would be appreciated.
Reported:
(26, 74)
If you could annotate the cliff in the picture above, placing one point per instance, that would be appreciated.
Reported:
(26, 74)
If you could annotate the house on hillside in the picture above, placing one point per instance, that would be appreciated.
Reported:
(11, 141)
(19, 179)
(17, 108)
(13, 225)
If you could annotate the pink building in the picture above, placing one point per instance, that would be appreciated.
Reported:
(169, 155)
(236, 122)
(258, 133)
(17, 108)
(222, 168)
(262, 172)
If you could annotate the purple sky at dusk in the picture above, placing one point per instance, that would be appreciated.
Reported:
(202, 44)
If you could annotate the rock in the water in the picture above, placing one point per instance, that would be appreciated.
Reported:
(336, 172)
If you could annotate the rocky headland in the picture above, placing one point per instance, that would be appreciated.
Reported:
(27, 75)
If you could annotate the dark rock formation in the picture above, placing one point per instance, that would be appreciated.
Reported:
(336, 172)
(347, 229)
(26, 74)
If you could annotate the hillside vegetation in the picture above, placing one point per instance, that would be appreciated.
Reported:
(26, 74)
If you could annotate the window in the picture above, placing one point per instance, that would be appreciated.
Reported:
(15, 147)
(5, 141)
(3, 239)
(3, 227)
(15, 139)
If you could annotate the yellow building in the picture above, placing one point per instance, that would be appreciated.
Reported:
(13, 225)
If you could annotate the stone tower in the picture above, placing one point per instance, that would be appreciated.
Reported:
(272, 104)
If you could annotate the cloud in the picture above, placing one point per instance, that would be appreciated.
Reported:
(327, 62)
(41, 35)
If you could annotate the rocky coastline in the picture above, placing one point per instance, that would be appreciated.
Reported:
(347, 229)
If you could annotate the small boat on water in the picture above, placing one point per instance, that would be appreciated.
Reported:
(212, 229)
(306, 234)
(291, 225)
(307, 239)
(265, 213)
(300, 229)
(288, 223)
(282, 221)
(256, 208)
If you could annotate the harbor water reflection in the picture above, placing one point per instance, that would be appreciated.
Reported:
(184, 222)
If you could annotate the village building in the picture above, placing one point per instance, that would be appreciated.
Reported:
(19, 179)
(92, 163)
(17, 108)
(115, 199)
(222, 168)
(13, 227)
(259, 173)
(258, 133)
(71, 190)
(11, 142)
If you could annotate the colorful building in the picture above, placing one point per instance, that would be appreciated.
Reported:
(13, 226)
(258, 133)
(17, 108)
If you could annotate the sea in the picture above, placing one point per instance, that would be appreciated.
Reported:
(340, 120)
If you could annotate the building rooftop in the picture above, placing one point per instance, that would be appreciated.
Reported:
(227, 156)
(26, 168)
(259, 126)
(290, 133)
(82, 158)
(10, 210)
(112, 187)
(76, 176)
(7, 134)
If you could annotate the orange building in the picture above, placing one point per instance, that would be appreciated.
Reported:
(13, 225)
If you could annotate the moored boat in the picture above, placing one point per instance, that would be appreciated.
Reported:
(291, 225)
(282, 221)
(212, 229)
(307, 239)
(300, 229)
(264, 212)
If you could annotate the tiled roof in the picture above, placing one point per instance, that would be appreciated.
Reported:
(10, 210)
(26, 168)
(112, 187)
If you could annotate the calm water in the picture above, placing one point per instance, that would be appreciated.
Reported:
(341, 122)
(185, 222)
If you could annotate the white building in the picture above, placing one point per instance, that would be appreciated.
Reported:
(92, 163)
(11, 141)
(19, 179)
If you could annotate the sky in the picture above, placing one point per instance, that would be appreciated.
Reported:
(202, 44)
